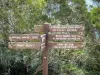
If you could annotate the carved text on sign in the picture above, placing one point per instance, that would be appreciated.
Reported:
(67, 45)
(65, 37)
(26, 37)
(26, 45)
(70, 28)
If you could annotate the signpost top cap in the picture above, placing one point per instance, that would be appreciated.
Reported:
(46, 23)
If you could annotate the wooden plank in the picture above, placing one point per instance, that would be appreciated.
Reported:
(25, 45)
(43, 37)
(67, 37)
(66, 45)
(26, 37)
(67, 28)
(43, 46)
(62, 28)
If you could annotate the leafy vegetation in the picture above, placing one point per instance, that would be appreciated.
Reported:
(20, 16)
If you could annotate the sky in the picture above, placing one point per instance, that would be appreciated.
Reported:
(89, 2)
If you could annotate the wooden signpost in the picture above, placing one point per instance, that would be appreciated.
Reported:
(73, 41)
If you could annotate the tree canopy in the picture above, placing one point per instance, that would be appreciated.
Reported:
(20, 16)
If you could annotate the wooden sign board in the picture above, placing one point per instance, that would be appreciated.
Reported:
(67, 45)
(26, 45)
(67, 28)
(26, 37)
(68, 37)
(62, 28)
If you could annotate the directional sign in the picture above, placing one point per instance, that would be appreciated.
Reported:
(67, 28)
(26, 37)
(67, 45)
(73, 34)
(26, 45)
(68, 37)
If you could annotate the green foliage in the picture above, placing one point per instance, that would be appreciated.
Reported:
(95, 17)
(20, 16)
(97, 2)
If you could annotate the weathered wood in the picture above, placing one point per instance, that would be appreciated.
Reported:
(45, 51)
(67, 37)
(61, 28)
(67, 28)
(18, 40)
(66, 45)
(26, 45)
(26, 37)
(43, 38)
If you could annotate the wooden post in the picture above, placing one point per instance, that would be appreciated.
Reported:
(45, 52)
